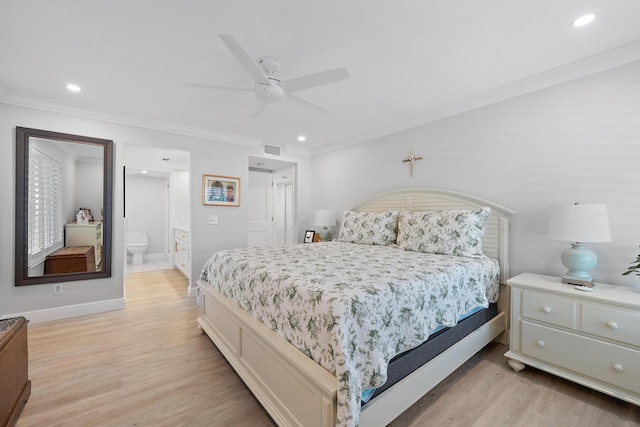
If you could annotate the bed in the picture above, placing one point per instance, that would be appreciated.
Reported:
(285, 370)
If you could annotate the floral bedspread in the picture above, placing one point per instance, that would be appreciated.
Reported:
(352, 307)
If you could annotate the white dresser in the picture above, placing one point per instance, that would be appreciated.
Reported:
(85, 235)
(591, 338)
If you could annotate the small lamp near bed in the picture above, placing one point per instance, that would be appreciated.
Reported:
(325, 218)
(577, 224)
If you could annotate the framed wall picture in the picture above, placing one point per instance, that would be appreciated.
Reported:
(220, 190)
(308, 236)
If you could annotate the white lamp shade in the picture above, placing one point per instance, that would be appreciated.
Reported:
(579, 223)
(324, 218)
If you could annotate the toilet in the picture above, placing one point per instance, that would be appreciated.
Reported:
(137, 242)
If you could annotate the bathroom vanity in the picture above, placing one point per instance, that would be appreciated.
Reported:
(182, 259)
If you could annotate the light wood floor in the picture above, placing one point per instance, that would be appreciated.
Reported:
(149, 365)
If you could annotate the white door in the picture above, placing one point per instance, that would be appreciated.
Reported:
(288, 191)
(281, 218)
(260, 208)
(284, 214)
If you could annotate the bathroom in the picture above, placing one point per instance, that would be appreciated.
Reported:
(156, 209)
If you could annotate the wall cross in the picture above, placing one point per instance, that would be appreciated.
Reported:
(411, 160)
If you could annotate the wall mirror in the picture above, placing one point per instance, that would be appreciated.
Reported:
(64, 192)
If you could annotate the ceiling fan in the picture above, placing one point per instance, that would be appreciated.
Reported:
(268, 88)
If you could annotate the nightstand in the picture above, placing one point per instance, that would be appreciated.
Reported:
(591, 338)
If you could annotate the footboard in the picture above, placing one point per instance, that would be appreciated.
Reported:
(292, 388)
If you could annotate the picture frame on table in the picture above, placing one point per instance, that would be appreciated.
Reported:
(219, 190)
(309, 236)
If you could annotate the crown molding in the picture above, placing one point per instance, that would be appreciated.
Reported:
(298, 151)
(46, 105)
(613, 58)
(610, 59)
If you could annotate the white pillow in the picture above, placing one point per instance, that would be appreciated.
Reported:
(369, 228)
(450, 232)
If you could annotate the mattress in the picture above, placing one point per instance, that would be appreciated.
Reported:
(350, 307)
(406, 362)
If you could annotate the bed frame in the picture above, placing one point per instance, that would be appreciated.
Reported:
(294, 389)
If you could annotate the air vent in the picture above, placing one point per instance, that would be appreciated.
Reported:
(271, 150)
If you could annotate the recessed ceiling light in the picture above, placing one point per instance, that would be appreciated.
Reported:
(144, 172)
(583, 20)
(74, 88)
(302, 138)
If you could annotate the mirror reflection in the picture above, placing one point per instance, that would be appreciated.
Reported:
(63, 218)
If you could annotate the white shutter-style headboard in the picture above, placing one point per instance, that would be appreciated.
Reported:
(495, 242)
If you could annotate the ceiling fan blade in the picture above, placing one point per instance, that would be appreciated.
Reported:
(260, 106)
(298, 99)
(207, 86)
(244, 58)
(314, 80)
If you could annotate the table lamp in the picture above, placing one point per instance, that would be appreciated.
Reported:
(578, 224)
(325, 218)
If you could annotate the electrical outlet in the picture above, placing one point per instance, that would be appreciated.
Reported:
(57, 289)
(213, 219)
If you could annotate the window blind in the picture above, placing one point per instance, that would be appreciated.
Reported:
(45, 206)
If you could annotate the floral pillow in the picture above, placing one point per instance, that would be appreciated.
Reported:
(451, 232)
(369, 228)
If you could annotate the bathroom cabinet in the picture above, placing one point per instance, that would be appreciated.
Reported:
(85, 235)
(182, 251)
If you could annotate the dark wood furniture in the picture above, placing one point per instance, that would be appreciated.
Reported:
(15, 387)
(71, 259)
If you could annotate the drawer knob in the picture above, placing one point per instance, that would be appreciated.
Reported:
(618, 367)
(541, 344)
(612, 325)
(546, 310)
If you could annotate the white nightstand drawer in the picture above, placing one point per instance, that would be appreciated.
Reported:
(619, 325)
(604, 361)
(549, 309)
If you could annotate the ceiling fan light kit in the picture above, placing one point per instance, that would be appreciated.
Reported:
(268, 89)
(270, 93)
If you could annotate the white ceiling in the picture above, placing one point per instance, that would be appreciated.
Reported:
(410, 61)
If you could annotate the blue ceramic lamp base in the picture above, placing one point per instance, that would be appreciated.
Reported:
(325, 234)
(579, 260)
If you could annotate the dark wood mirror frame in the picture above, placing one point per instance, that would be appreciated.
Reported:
(23, 136)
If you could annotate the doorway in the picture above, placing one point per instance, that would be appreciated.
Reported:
(157, 189)
(271, 202)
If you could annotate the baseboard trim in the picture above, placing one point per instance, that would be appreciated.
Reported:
(68, 311)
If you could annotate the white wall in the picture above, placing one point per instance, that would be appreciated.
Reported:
(147, 210)
(88, 190)
(180, 192)
(579, 141)
(207, 156)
